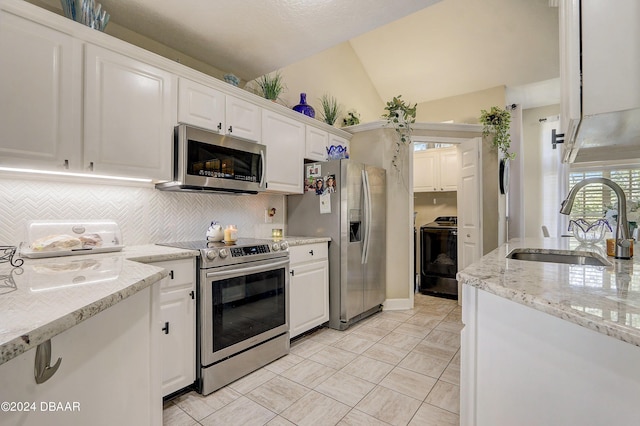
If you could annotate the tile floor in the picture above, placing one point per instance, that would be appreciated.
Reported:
(394, 368)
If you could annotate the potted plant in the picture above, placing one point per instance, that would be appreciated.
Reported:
(330, 109)
(271, 86)
(497, 121)
(400, 116)
(351, 119)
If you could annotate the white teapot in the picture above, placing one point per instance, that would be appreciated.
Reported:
(215, 232)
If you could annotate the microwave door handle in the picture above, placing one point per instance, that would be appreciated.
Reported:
(249, 269)
(264, 168)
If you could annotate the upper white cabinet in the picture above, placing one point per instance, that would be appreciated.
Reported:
(130, 112)
(40, 89)
(201, 105)
(316, 144)
(243, 119)
(435, 170)
(284, 138)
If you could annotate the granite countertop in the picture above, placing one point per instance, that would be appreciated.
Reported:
(605, 299)
(301, 241)
(45, 297)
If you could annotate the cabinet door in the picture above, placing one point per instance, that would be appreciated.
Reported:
(177, 315)
(449, 170)
(201, 106)
(425, 171)
(130, 112)
(309, 296)
(243, 119)
(40, 92)
(316, 144)
(570, 71)
(284, 139)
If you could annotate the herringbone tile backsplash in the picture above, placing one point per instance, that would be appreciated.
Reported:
(145, 215)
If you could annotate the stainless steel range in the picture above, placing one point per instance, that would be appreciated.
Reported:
(243, 309)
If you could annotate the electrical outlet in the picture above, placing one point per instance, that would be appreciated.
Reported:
(267, 218)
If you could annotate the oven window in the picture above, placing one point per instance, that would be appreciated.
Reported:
(220, 162)
(246, 306)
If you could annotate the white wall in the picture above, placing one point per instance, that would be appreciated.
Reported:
(145, 215)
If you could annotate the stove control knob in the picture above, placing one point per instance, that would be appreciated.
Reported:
(223, 253)
(284, 245)
(212, 254)
(275, 246)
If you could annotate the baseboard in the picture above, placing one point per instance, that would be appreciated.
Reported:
(397, 305)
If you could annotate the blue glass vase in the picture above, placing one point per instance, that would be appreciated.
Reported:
(304, 108)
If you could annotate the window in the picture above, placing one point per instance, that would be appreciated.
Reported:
(591, 201)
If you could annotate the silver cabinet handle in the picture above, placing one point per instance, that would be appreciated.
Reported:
(230, 129)
(43, 370)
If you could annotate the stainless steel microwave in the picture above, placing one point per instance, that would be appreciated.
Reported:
(205, 161)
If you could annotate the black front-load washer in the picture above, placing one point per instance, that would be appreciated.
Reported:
(439, 257)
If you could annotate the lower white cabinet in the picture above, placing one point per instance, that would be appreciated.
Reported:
(309, 288)
(109, 372)
(178, 325)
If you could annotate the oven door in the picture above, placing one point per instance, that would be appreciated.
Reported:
(242, 306)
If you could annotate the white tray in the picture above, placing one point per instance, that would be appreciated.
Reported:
(25, 252)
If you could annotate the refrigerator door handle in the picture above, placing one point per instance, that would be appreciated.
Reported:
(367, 214)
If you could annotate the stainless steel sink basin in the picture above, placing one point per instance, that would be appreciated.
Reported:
(559, 256)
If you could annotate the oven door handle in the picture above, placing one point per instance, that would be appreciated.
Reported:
(247, 270)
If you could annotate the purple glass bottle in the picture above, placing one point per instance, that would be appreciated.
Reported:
(304, 107)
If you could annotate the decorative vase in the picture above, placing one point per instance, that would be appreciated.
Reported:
(304, 108)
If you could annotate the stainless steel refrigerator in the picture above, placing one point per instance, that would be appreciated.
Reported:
(346, 201)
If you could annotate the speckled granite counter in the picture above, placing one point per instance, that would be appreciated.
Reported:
(301, 241)
(603, 299)
(45, 297)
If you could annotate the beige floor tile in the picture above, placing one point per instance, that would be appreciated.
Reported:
(386, 353)
(451, 327)
(281, 365)
(401, 341)
(436, 350)
(345, 388)
(370, 333)
(172, 415)
(415, 330)
(446, 396)
(368, 369)
(385, 324)
(278, 394)
(221, 397)
(425, 320)
(353, 344)
(309, 373)
(252, 381)
(242, 411)
(424, 364)
(389, 406)
(306, 348)
(409, 383)
(194, 405)
(358, 418)
(316, 409)
(400, 316)
(280, 421)
(327, 336)
(451, 340)
(333, 357)
(454, 316)
(451, 374)
(428, 415)
(438, 309)
(456, 358)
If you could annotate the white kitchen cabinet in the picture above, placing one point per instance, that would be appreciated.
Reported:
(435, 170)
(564, 373)
(284, 138)
(130, 111)
(178, 325)
(110, 369)
(309, 287)
(243, 119)
(316, 144)
(40, 88)
(201, 105)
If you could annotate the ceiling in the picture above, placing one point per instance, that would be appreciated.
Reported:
(430, 48)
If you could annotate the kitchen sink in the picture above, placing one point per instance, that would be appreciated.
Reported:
(559, 256)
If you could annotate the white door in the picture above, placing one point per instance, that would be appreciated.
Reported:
(243, 119)
(284, 139)
(316, 144)
(469, 203)
(201, 106)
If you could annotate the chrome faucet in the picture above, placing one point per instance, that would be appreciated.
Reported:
(623, 235)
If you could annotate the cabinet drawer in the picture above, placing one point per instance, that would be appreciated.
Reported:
(181, 273)
(307, 253)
